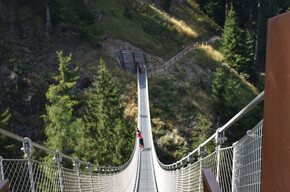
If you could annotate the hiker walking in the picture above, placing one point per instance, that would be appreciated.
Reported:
(139, 135)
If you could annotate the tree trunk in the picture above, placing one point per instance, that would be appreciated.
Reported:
(226, 9)
(48, 20)
(251, 16)
(11, 22)
(1, 11)
(86, 3)
(257, 34)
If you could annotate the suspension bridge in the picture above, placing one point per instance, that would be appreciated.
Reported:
(234, 168)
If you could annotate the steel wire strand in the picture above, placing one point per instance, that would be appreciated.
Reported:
(46, 177)
(247, 161)
(226, 169)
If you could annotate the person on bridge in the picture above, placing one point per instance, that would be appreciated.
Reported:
(139, 135)
(139, 67)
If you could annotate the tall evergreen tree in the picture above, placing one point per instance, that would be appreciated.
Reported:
(62, 123)
(249, 65)
(232, 47)
(108, 137)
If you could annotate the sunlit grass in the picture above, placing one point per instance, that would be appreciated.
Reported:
(179, 25)
(213, 53)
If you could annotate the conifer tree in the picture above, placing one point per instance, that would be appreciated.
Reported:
(248, 67)
(62, 123)
(218, 88)
(232, 47)
(108, 137)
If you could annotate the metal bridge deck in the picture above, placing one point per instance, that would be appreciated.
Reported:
(146, 181)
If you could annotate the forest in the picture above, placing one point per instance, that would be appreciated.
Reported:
(50, 48)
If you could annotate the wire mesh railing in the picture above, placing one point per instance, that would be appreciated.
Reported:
(32, 175)
(186, 174)
(236, 168)
(247, 161)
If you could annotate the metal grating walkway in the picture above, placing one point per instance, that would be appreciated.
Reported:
(146, 180)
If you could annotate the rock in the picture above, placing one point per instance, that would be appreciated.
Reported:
(7, 77)
(23, 130)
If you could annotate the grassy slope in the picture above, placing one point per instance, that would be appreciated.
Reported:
(153, 30)
(181, 106)
(180, 103)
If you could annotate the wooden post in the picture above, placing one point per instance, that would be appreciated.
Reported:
(275, 175)
(135, 64)
(209, 182)
(4, 185)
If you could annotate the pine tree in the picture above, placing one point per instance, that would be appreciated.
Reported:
(62, 123)
(248, 67)
(218, 88)
(108, 137)
(232, 47)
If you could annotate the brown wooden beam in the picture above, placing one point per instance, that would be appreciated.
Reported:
(275, 175)
(4, 185)
(209, 182)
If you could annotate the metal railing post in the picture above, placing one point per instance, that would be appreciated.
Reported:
(219, 139)
(234, 166)
(218, 162)
(58, 159)
(28, 149)
(200, 153)
(77, 166)
(1, 168)
(89, 167)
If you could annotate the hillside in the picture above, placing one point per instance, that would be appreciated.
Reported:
(182, 108)
(28, 57)
(94, 31)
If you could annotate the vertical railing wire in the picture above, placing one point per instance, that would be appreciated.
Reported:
(1, 168)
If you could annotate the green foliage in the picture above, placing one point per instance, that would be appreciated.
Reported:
(127, 11)
(214, 8)
(248, 67)
(108, 137)
(6, 147)
(232, 46)
(201, 131)
(62, 124)
(229, 95)
(165, 4)
(159, 28)
(239, 54)
(29, 26)
(76, 20)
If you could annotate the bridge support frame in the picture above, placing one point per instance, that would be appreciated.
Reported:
(58, 159)
(275, 171)
(77, 166)
(220, 139)
(89, 167)
(28, 149)
(1, 168)
(201, 152)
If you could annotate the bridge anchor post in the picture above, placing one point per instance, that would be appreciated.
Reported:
(219, 139)
(77, 166)
(58, 159)
(28, 149)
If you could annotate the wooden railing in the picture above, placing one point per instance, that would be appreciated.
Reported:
(209, 182)
(4, 185)
(159, 69)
